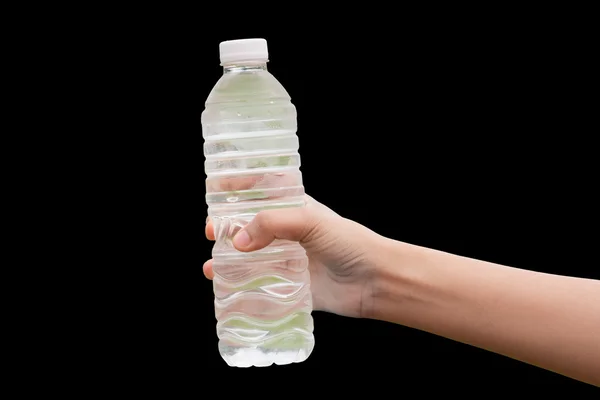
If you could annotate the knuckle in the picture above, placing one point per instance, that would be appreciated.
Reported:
(310, 224)
(263, 220)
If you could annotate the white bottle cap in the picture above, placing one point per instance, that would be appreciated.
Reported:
(232, 51)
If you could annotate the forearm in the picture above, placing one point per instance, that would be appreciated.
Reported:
(546, 320)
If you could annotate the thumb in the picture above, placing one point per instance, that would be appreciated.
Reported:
(295, 224)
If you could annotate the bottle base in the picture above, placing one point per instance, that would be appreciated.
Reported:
(244, 357)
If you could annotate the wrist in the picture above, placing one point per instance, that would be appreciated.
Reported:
(405, 286)
(390, 279)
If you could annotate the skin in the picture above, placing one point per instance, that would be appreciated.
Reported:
(546, 320)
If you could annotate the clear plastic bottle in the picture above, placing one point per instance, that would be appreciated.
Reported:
(263, 302)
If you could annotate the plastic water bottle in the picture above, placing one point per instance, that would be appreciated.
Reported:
(263, 302)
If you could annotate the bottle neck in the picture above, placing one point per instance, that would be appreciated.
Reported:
(244, 66)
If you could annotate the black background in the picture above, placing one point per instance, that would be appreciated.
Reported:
(460, 129)
(457, 137)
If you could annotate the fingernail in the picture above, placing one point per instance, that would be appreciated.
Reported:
(242, 239)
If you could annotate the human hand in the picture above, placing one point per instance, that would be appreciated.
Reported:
(341, 253)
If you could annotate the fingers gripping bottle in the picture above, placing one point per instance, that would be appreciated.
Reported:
(263, 302)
